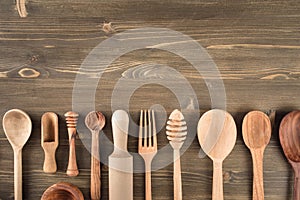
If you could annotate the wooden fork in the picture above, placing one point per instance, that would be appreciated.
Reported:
(147, 147)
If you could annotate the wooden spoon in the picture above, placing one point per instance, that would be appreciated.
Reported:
(257, 133)
(49, 140)
(95, 121)
(217, 137)
(289, 134)
(17, 127)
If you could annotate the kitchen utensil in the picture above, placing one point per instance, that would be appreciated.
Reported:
(62, 191)
(95, 121)
(49, 140)
(176, 134)
(289, 134)
(147, 146)
(71, 120)
(120, 161)
(17, 127)
(257, 133)
(217, 137)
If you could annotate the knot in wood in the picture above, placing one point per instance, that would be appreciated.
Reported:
(29, 73)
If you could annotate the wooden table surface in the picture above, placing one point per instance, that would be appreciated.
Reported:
(255, 45)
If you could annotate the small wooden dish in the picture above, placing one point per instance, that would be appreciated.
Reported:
(62, 191)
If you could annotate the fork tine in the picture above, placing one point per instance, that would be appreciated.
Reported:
(150, 131)
(145, 128)
(154, 130)
(141, 129)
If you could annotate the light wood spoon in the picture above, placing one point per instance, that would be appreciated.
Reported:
(95, 121)
(17, 127)
(217, 137)
(289, 134)
(257, 133)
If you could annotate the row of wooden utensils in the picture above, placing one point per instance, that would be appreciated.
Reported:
(216, 134)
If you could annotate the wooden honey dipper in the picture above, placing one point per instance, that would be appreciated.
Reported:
(176, 133)
(71, 120)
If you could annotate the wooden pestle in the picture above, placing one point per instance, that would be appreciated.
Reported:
(71, 120)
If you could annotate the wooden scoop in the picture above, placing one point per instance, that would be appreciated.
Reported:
(257, 133)
(289, 134)
(95, 121)
(49, 140)
(217, 137)
(17, 127)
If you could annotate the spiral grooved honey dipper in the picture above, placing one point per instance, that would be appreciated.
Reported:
(71, 120)
(176, 134)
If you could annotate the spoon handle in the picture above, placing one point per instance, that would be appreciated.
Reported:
(258, 183)
(95, 168)
(18, 174)
(177, 175)
(296, 188)
(217, 181)
(296, 167)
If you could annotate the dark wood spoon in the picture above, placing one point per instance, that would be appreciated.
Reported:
(289, 134)
(256, 134)
(95, 121)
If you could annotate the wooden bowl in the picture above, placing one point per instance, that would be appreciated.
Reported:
(62, 191)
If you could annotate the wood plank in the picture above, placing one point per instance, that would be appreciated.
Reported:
(255, 45)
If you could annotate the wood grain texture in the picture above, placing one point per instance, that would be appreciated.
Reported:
(255, 45)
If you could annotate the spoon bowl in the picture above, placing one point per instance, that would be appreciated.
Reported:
(17, 127)
(95, 120)
(289, 135)
(256, 130)
(217, 133)
(217, 136)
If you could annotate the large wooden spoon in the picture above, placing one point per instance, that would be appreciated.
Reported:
(257, 133)
(17, 127)
(217, 137)
(289, 134)
(95, 121)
